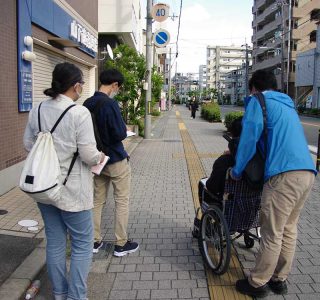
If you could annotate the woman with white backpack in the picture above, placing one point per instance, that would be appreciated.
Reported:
(70, 211)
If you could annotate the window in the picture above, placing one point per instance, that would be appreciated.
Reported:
(313, 36)
(315, 15)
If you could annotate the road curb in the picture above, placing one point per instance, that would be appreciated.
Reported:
(15, 286)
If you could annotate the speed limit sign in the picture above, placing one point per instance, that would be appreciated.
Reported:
(160, 12)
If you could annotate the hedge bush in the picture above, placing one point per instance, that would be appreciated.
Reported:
(155, 113)
(211, 112)
(230, 117)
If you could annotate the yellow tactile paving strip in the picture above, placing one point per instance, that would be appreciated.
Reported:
(220, 287)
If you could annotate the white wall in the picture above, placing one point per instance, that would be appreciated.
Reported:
(121, 17)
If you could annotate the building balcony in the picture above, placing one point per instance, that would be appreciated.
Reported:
(304, 10)
(272, 26)
(267, 12)
(297, 13)
(267, 63)
(259, 3)
(303, 31)
(268, 47)
(241, 53)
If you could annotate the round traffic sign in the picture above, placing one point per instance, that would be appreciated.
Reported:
(161, 38)
(160, 12)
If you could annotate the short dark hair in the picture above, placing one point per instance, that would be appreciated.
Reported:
(263, 80)
(236, 127)
(110, 76)
(64, 76)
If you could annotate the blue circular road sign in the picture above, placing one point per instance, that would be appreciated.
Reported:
(161, 38)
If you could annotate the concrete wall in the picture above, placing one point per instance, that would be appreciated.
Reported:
(316, 89)
(121, 17)
(305, 68)
(87, 9)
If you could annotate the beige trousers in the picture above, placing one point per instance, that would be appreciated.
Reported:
(283, 198)
(119, 175)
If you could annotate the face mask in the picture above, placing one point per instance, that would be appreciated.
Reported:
(113, 94)
(79, 94)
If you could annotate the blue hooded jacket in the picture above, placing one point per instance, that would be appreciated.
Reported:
(287, 148)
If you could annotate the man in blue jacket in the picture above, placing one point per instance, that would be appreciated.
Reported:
(289, 176)
(112, 131)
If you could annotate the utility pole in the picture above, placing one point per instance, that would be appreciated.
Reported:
(282, 45)
(147, 118)
(236, 87)
(169, 85)
(247, 71)
(289, 45)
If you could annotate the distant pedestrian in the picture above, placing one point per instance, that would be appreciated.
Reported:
(289, 176)
(194, 107)
(117, 172)
(73, 214)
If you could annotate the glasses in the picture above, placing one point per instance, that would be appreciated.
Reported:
(82, 82)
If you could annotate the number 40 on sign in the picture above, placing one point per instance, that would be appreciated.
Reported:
(160, 12)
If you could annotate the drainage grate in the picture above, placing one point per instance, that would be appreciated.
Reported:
(104, 252)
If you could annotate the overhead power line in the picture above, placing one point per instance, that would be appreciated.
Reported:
(177, 49)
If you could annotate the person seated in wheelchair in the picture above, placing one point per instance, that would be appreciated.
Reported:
(216, 182)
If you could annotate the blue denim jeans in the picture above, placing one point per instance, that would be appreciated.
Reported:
(79, 225)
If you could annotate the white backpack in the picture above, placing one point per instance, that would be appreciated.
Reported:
(41, 174)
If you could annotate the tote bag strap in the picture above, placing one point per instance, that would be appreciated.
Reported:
(262, 102)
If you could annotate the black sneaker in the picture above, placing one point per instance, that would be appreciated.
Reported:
(278, 287)
(243, 286)
(129, 247)
(97, 246)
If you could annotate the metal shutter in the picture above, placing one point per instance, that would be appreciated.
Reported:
(42, 73)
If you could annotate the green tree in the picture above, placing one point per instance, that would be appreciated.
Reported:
(157, 84)
(132, 95)
(133, 67)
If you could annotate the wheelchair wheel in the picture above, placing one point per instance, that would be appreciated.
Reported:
(214, 240)
(248, 241)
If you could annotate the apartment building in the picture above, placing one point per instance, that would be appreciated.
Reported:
(236, 85)
(220, 61)
(281, 29)
(184, 84)
(306, 17)
(202, 77)
(308, 75)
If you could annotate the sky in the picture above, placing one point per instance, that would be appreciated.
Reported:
(206, 22)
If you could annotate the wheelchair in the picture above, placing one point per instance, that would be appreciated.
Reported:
(221, 220)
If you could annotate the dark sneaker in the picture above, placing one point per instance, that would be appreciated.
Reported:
(97, 246)
(244, 287)
(129, 247)
(278, 287)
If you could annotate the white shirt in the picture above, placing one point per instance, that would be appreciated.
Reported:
(75, 131)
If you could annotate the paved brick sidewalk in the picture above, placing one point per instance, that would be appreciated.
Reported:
(304, 280)
(168, 265)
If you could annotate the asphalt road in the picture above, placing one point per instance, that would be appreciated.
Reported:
(311, 125)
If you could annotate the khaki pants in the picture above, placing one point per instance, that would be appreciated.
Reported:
(119, 174)
(282, 200)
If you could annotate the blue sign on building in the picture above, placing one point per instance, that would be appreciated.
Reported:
(51, 17)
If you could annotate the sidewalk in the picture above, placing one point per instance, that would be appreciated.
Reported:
(168, 264)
